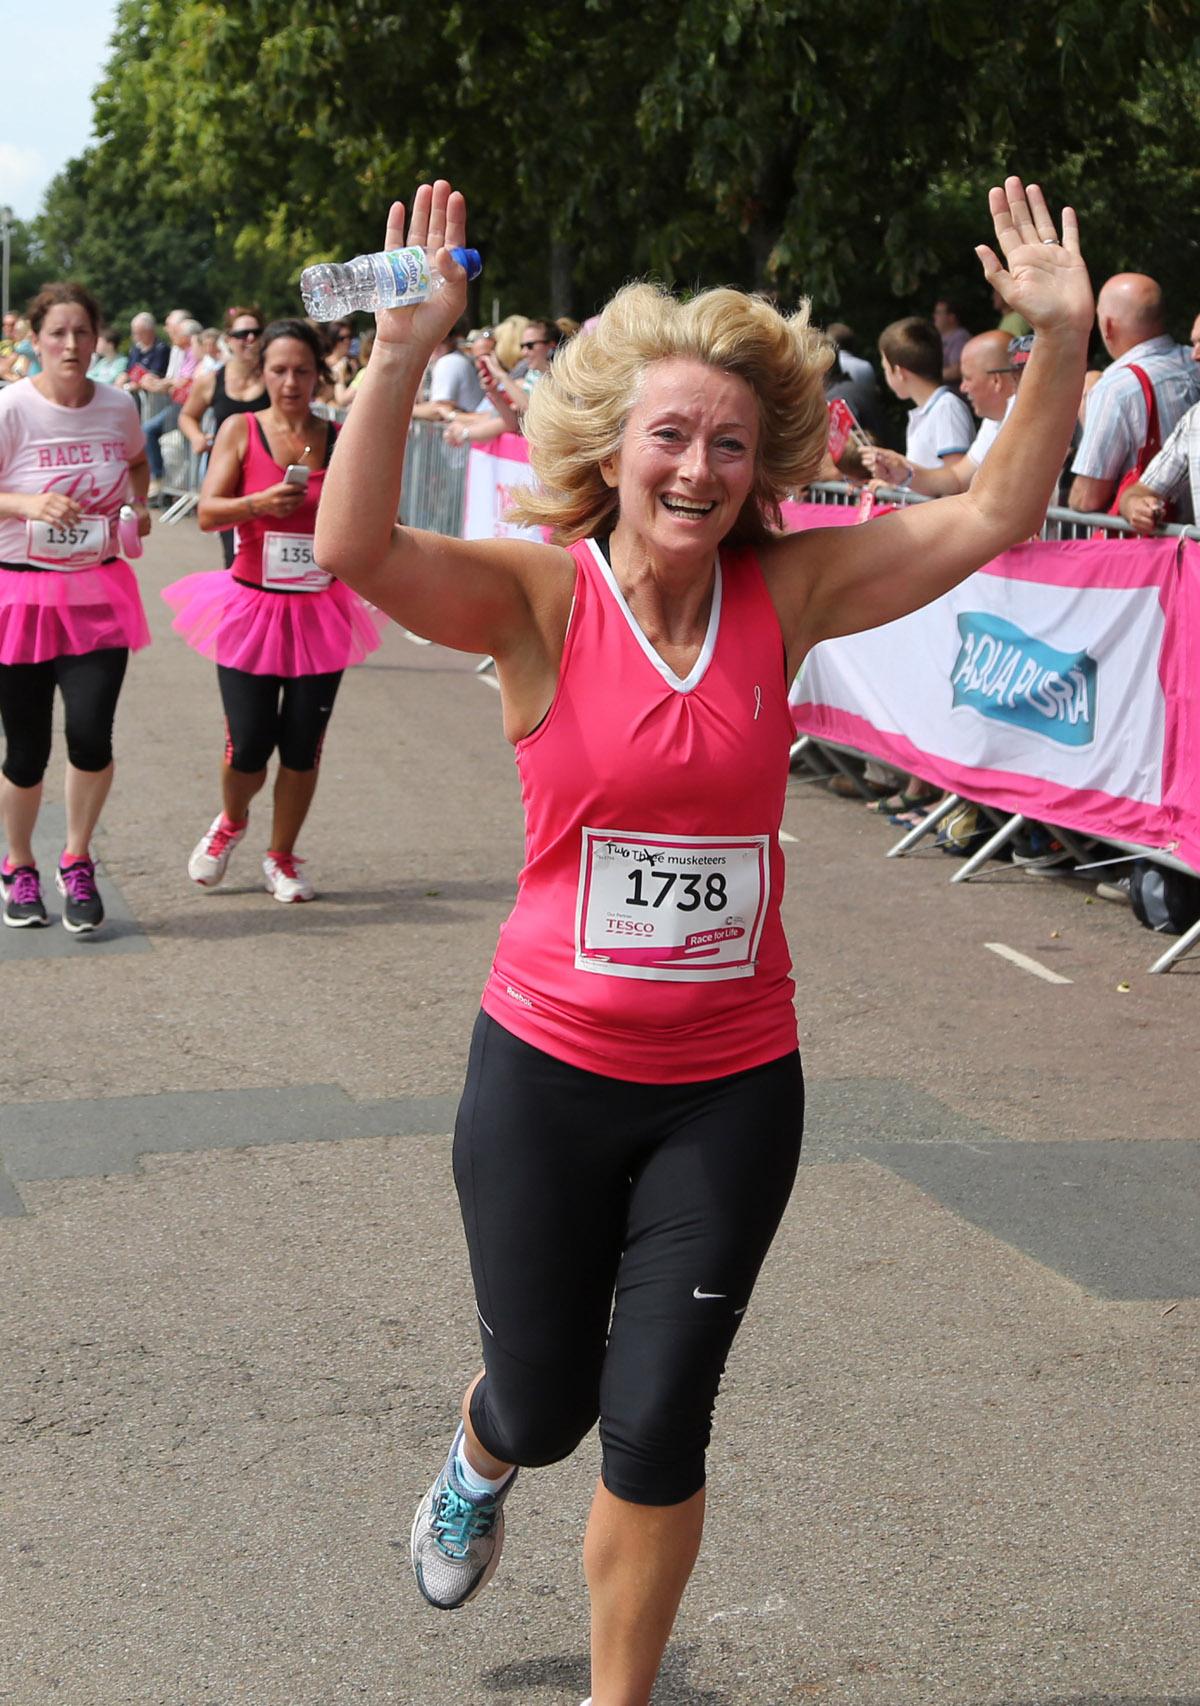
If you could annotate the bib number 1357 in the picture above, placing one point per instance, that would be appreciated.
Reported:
(670, 908)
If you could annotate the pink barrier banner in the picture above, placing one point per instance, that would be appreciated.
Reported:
(1061, 681)
(494, 471)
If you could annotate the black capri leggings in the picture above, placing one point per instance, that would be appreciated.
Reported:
(90, 685)
(263, 712)
(615, 1232)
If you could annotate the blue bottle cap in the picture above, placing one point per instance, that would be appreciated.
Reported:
(470, 260)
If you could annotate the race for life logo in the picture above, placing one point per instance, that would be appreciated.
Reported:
(1011, 677)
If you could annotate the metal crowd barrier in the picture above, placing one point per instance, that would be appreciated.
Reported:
(812, 754)
(183, 469)
(432, 492)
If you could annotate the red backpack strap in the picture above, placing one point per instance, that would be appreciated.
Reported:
(1153, 440)
(1151, 444)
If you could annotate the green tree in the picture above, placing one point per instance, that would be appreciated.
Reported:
(840, 151)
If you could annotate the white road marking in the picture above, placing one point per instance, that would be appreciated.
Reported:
(489, 681)
(1025, 963)
(417, 639)
(784, 836)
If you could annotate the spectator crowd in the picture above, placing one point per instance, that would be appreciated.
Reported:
(1136, 450)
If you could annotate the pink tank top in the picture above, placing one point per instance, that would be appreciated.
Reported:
(276, 551)
(646, 941)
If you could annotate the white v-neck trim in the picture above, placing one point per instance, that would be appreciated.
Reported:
(681, 684)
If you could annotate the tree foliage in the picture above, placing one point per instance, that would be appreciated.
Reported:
(841, 151)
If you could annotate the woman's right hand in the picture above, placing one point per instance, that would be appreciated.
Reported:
(439, 224)
(277, 501)
(53, 506)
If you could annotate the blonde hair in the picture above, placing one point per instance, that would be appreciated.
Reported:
(578, 411)
(508, 334)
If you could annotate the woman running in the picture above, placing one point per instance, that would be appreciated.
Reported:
(236, 388)
(630, 1127)
(279, 628)
(71, 455)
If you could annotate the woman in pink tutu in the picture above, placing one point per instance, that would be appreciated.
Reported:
(71, 453)
(279, 629)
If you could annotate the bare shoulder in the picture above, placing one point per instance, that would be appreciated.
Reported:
(793, 562)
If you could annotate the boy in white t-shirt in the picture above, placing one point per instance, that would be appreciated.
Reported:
(940, 429)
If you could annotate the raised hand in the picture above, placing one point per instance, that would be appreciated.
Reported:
(439, 224)
(1042, 277)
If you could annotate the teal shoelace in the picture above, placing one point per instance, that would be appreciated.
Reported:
(457, 1522)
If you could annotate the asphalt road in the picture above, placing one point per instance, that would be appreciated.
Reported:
(955, 1461)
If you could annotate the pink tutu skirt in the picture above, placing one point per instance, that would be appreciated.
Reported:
(273, 633)
(47, 614)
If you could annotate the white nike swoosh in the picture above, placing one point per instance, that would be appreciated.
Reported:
(699, 1293)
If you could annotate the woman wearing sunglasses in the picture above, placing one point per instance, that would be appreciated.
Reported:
(237, 388)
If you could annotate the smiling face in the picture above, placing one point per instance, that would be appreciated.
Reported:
(66, 341)
(245, 337)
(290, 373)
(687, 459)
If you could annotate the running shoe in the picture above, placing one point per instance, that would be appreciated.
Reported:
(76, 882)
(284, 878)
(456, 1537)
(22, 890)
(211, 853)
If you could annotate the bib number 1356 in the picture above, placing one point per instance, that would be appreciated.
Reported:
(670, 908)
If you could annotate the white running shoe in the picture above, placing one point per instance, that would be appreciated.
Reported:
(211, 853)
(284, 878)
(456, 1537)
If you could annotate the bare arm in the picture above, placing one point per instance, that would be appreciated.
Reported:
(841, 580)
(892, 469)
(1088, 496)
(475, 595)
(190, 416)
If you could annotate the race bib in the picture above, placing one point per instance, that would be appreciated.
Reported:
(80, 545)
(673, 908)
(288, 564)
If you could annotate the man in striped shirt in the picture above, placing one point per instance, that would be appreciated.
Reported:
(1130, 316)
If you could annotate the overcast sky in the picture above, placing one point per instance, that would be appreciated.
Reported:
(53, 61)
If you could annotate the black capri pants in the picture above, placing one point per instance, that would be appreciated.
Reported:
(90, 685)
(615, 1233)
(263, 712)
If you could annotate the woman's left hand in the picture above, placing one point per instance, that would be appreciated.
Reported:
(1041, 277)
(142, 512)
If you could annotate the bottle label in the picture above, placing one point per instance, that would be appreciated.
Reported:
(410, 275)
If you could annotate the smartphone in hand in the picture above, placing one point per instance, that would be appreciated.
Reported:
(296, 474)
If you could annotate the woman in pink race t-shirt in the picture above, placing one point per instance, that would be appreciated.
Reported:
(629, 1130)
(72, 455)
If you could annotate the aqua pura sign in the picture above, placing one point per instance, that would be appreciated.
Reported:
(1012, 677)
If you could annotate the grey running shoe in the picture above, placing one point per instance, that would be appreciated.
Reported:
(22, 894)
(456, 1538)
(84, 910)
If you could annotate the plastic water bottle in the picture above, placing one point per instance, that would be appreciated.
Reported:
(394, 278)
